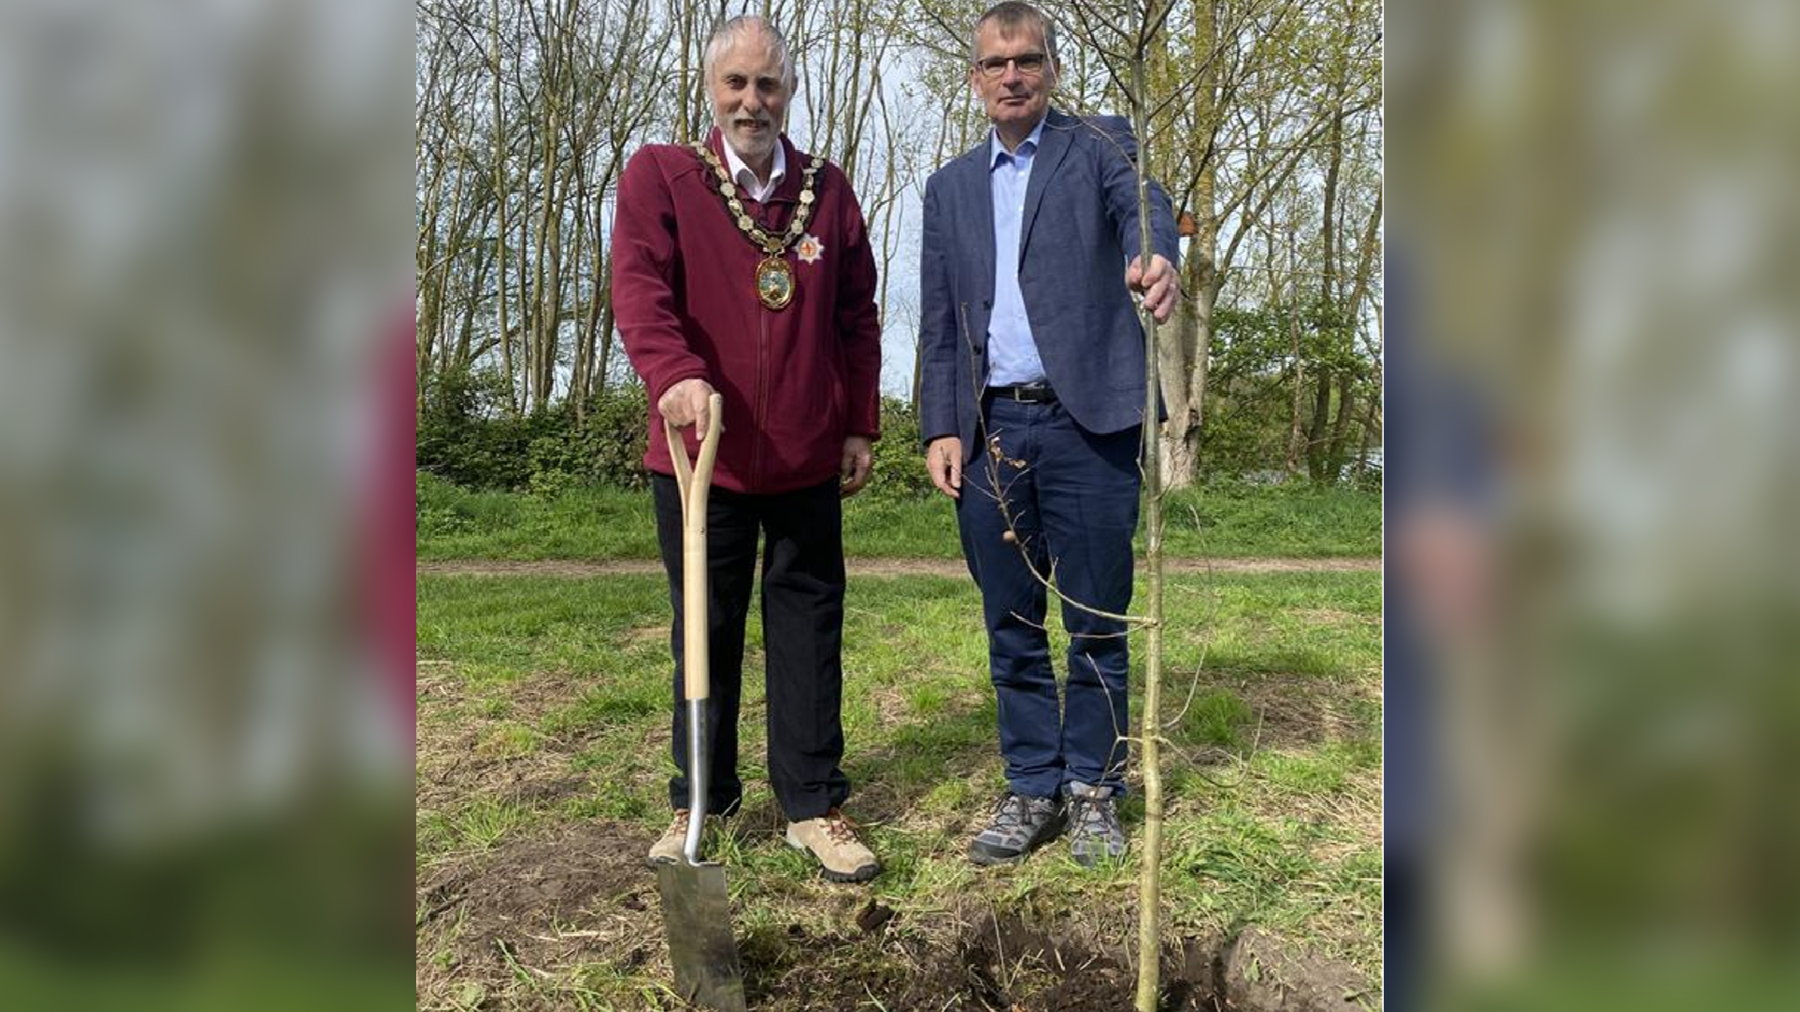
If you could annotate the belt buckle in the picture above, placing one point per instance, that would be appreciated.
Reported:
(1022, 393)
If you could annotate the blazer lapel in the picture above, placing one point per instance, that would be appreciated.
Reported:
(981, 242)
(1053, 144)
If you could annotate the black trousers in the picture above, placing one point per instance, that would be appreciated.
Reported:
(803, 634)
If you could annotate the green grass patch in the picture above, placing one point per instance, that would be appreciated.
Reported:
(597, 524)
(585, 523)
(509, 739)
(503, 629)
(476, 826)
(1217, 717)
(1300, 519)
(1271, 821)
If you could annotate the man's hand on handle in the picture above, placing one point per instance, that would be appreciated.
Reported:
(943, 460)
(685, 404)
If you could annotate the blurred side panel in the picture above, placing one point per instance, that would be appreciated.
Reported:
(205, 576)
(1595, 205)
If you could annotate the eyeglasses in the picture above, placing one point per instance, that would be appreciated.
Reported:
(1028, 64)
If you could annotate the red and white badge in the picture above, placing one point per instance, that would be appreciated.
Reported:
(809, 249)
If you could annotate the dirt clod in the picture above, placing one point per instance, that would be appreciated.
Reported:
(873, 917)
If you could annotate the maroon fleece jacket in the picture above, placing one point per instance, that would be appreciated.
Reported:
(797, 380)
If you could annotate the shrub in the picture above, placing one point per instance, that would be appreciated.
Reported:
(467, 437)
(437, 510)
(899, 460)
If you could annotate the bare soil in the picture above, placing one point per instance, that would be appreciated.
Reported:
(551, 907)
(876, 567)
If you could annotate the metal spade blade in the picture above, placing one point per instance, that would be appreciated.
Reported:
(697, 913)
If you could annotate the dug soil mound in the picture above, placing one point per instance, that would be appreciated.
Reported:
(576, 908)
(1004, 964)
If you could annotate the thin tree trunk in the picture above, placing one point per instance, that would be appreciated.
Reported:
(522, 260)
(506, 357)
(1317, 450)
(1184, 388)
(1206, 293)
(545, 274)
(476, 281)
(577, 384)
(1321, 418)
(1150, 720)
(459, 240)
(1372, 419)
(606, 335)
(1340, 426)
(682, 134)
(1296, 439)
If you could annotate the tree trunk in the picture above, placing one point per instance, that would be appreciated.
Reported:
(606, 335)
(1340, 427)
(1321, 419)
(578, 367)
(1187, 342)
(1150, 720)
(682, 134)
(505, 335)
(523, 266)
(1296, 439)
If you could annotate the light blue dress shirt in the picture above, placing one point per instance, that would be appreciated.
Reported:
(1012, 353)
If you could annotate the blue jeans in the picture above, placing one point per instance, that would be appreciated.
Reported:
(1074, 507)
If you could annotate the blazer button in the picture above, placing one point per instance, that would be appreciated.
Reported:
(987, 303)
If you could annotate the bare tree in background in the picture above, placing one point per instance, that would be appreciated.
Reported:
(526, 115)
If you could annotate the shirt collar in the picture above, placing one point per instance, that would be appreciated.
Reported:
(997, 149)
(777, 171)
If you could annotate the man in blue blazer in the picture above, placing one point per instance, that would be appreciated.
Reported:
(1031, 408)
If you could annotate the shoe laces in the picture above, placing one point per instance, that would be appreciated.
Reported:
(839, 827)
(1012, 811)
(1094, 815)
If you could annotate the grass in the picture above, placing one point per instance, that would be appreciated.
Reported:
(1224, 521)
(544, 710)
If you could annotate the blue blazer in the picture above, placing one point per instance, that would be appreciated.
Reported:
(1079, 230)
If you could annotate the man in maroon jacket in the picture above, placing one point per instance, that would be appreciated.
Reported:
(743, 266)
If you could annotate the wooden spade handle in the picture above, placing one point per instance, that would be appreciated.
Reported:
(695, 482)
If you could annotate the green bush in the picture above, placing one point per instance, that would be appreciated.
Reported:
(438, 513)
(447, 510)
(467, 436)
(613, 438)
(899, 460)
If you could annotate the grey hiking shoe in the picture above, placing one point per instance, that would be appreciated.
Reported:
(1094, 830)
(1019, 826)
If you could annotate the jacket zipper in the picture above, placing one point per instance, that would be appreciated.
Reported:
(762, 396)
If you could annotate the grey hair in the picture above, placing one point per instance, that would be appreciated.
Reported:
(744, 28)
(1012, 16)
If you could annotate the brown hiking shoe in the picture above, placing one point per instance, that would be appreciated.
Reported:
(667, 849)
(832, 839)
